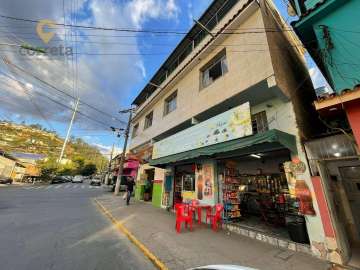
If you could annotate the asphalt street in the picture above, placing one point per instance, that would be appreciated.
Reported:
(58, 227)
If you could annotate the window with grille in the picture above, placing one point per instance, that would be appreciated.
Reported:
(213, 70)
(259, 122)
(148, 120)
(135, 130)
(170, 103)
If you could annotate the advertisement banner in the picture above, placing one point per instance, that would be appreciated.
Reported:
(230, 125)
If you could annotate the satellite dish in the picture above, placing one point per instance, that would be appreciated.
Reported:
(291, 11)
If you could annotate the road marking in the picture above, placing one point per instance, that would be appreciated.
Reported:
(67, 186)
(59, 186)
(120, 226)
(48, 187)
(75, 186)
(90, 187)
(82, 186)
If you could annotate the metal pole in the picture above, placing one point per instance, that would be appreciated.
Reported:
(122, 160)
(109, 167)
(69, 130)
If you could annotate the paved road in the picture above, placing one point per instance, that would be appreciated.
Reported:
(58, 227)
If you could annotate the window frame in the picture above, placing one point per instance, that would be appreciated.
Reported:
(220, 58)
(255, 120)
(167, 101)
(135, 130)
(146, 121)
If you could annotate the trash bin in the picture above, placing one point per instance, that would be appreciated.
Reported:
(297, 231)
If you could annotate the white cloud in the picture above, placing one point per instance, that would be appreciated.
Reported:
(106, 149)
(142, 10)
(103, 81)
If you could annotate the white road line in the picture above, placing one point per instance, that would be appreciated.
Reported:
(75, 186)
(59, 186)
(82, 186)
(48, 187)
(39, 187)
(90, 187)
(67, 186)
(28, 188)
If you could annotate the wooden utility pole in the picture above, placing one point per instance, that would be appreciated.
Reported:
(122, 159)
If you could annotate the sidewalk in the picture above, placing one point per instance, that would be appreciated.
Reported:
(155, 228)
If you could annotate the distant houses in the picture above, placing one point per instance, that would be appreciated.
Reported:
(19, 165)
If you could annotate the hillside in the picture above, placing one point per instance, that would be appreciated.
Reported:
(34, 139)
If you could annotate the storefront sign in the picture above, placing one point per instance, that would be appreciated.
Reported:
(303, 194)
(188, 195)
(230, 125)
(205, 184)
(297, 166)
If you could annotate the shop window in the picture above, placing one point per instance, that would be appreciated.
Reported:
(135, 130)
(188, 183)
(170, 103)
(259, 122)
(213, 70)
(148, 120)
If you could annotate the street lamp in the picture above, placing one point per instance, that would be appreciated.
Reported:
(122, 159)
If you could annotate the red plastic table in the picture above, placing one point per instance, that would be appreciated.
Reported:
(199, 209)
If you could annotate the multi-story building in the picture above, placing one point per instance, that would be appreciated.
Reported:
(223, 120)
(329, 30)
(326, 29)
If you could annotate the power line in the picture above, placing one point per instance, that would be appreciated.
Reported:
(152, 31)
(61, 91)
(59, 103)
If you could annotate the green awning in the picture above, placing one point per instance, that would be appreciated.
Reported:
(267, 141)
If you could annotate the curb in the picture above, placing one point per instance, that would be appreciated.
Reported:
(119, 225)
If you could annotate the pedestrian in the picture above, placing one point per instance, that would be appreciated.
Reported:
(129, 188)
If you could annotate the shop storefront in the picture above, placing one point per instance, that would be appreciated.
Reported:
(257, 177)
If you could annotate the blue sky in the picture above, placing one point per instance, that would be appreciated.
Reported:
(107, 81)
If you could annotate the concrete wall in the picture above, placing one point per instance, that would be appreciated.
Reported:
(159, 178)
(341, 61)
(291, 72)
(247, 66)
(6, 166)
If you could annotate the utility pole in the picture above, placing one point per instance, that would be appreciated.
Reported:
(69, 130)
(109, 167)
(122, 159)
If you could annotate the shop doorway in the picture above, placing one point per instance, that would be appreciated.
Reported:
(256, 195)
(149, 183)
(184, 182)
(342, 181)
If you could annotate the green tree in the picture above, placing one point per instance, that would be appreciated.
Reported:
(89, 169)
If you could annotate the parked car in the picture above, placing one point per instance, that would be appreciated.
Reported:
(67, 178)
(77, 179)
(5, 180)
(95, 181)
(58, 180)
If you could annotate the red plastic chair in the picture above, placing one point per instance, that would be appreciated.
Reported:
(216, 217)
(182, 217)
(192, 207)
